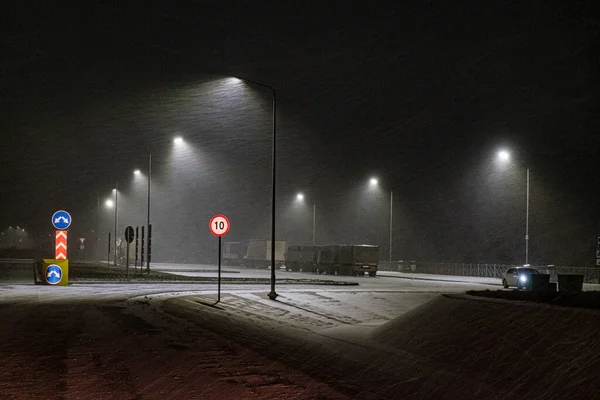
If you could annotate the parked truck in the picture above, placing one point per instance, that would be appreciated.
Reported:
(258, 253)
(233, 253)
(352, 260)
(302, 258)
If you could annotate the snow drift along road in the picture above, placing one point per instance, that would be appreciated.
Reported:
(533, 351)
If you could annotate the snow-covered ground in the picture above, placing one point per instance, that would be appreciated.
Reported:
(312, 310)
(388, 337)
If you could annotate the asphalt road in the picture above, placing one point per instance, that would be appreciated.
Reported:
(384, 281)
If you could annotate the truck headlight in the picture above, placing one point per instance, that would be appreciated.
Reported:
(523, 278)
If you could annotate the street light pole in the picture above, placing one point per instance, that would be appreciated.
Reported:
(272, 295)
(527, 223)
(391, 221)
(314, 223)
(148, 220)
(116, 217)
(97, 228)
(504, 156)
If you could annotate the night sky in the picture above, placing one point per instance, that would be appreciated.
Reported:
(421, 96)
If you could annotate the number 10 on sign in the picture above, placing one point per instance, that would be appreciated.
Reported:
(219, 225)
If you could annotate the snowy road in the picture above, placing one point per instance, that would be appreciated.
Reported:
(158, 341)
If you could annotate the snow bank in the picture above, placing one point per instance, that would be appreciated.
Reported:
(530, 350)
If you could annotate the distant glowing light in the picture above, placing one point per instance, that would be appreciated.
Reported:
(373, 182)
(503, 155)
(300, 197)
(137, 172)
(178, 140)
(114, 190)
(109, 203)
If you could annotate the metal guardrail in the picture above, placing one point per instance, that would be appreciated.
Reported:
(16, 269)
(16, 261)
(590, 274)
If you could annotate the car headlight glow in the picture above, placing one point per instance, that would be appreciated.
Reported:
(523, 278)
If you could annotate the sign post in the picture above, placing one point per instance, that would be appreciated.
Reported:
(128, 239)
(82, 247)
(219, 226)
(149, 248)
(108, 259)
(137, 242)
(142, 251)
(598, 252)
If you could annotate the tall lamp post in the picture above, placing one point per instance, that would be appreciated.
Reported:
(504, 157)
(374, 182)
(272, 295)
(96, 255)
(109, 203)
(314, 223)
(148, 216)
(137, 172)
(116, 191)
(149, 183)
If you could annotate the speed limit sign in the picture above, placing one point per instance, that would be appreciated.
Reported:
(219, 225)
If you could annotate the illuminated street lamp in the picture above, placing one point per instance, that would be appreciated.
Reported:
(504, 157)
(272, 295)
(374, 182)
(137, 172)
(178, 140)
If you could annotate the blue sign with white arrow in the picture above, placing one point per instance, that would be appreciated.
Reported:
(61, 219)
(53, 274)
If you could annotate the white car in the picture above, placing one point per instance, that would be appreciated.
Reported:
(519, 277)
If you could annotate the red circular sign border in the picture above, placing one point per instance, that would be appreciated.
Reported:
(228, 225)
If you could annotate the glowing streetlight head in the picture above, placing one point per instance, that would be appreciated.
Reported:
(178, 140)
(114, 190)
(300, 197)
(137, 172)
(373, 182)
(109, 203)
(503, 155)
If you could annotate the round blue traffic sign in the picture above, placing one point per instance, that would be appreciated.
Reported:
(53, 274)
(61, 219)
